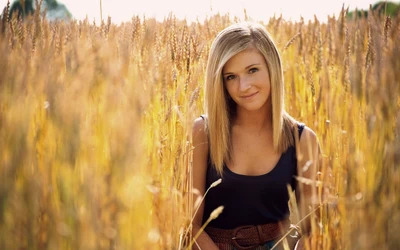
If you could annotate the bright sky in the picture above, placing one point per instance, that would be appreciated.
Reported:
(123, 10)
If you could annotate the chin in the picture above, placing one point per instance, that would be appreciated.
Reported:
(251, 108)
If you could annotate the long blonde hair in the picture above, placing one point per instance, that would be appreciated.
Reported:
(220, 109)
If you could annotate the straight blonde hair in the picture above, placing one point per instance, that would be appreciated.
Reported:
(220, 109)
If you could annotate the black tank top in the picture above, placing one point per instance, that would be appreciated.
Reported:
(252, 200)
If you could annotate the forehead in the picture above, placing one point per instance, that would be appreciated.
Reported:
(243, 59)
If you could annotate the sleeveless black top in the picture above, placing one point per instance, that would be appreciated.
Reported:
(251, 200)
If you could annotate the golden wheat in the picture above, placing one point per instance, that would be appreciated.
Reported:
(95, 125)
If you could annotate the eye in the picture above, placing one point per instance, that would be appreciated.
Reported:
(230, 77)
(253, 70)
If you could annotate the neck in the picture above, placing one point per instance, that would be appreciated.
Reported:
(254, 120)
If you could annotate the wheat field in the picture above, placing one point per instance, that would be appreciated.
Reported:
(95, 125)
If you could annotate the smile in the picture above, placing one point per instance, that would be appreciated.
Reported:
(247, 97)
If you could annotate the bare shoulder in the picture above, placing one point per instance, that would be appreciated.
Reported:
(199, 131)
(199, 141)
(199, 125)
(308, 138)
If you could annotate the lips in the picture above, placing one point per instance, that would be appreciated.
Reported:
(249, 96)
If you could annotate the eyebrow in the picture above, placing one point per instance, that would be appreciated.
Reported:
(251, 65)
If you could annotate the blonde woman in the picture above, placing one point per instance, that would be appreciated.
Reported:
(247, 139)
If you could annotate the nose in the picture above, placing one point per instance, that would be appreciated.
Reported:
(244, 84)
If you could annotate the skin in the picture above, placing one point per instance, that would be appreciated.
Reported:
(246, 78)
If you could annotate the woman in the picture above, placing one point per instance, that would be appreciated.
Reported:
(247, 139)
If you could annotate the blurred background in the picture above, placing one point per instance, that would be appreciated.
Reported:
(97, 101)
(261, 10)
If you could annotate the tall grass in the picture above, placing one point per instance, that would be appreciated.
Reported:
(95, 124)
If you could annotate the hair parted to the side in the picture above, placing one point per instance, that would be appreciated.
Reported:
(220, 109)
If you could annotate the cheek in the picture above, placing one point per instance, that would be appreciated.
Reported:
(230, 87)
(264, 79)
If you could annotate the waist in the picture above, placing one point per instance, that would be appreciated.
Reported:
(246, 237)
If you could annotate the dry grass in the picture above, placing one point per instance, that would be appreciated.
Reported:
(95, 124)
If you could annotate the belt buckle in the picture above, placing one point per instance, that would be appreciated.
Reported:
(234, 238)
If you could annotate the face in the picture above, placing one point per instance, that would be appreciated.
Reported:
(246, 78)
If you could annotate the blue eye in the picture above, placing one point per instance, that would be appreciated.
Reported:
(253, 70)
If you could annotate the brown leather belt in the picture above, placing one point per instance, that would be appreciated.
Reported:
(248, 237)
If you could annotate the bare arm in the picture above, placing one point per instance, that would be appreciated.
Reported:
(308, 163)
(200, 154)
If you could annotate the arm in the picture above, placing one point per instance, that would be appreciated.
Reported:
(200, 154)
(308, 163)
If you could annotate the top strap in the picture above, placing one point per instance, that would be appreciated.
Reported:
(300, 127)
